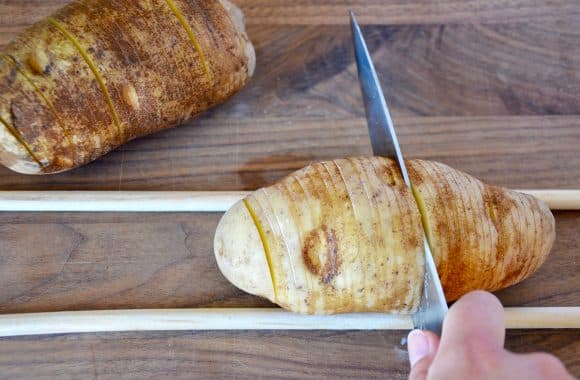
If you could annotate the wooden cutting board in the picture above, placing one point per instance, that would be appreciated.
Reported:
(490, 89)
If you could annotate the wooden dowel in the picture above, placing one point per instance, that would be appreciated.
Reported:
(180, 201)
(119, 201)
(542, 317)
(557, 199)
(250, 319)
(191, 319)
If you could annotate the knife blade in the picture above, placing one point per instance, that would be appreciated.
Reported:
(433, 306)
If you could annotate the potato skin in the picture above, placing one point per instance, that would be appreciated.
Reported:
(149, 68)
(346, 236)
(482, 236)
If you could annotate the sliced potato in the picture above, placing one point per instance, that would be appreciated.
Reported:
(98, 73)
(346, 236)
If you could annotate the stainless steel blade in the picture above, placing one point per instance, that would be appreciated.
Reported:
(433, 306)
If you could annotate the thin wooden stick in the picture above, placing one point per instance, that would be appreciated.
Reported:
(250, 319)
(180, 201)
(191, 319)
(557, 199)
(542, 317)
(119, 201)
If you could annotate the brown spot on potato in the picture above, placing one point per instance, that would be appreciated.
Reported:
(414, 176)
(320, 253)
(390, 174)
(411, 240)
(498, 200)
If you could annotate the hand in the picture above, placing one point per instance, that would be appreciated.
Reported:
(471, 347)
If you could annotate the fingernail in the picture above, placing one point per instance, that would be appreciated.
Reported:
(418, 346)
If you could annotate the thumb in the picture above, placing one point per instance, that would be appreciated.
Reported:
(422, 347)
(421, 369)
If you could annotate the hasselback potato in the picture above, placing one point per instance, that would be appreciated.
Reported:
(99, 73)
(346, 235)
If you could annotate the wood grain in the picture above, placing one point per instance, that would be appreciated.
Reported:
(304, 12)
(491, 88)
(472, 87)
(120, 261)
(329, 12)
(240, 355)
(233, 154)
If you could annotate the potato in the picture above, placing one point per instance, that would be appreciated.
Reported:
(99, 73)
(346, 236)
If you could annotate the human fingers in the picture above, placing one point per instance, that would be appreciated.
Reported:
(543, 366)
(422, 346)
(475, 319)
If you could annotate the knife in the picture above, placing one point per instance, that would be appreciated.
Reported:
(433, 306)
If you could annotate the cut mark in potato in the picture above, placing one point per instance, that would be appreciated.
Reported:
(177, 12)
(12, 61)
(96, 73)
(491, 211)
(423, 211)
(264, 244)
(19, 138)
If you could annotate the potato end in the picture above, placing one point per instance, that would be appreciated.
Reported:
(546, 232)
(237, 17)
(14, 156)
(240, 253)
